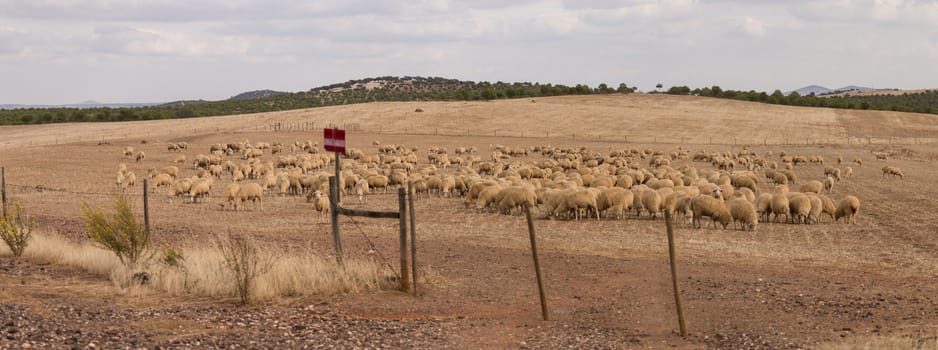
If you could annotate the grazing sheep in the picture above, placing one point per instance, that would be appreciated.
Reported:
(180, 159)
(743, 181)
(180, 187)
(171, 171)
(829, 184)
(581, 202)
(230, 196)
(121, 168)
(321, 204)
(615, 199)
(881, 156)
(764, 206)
(128, 151)
(858, 161)
(651, 201)
(849, 209)
(780, 179)
(744, 213)
(817, 207)
(891, 170)
(799, 207)
(779, 202)
(790, 174)
(162, 180)
(848, 172)
(827, 206)
(172, 147)
(515, 197)
(126, 180)
(813, 186)
(714, 208)
(448, 186)
(487, 197)
(140, 156)
(250, 192)
(198, 190)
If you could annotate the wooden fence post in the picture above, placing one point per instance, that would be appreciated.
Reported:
(146, 208)
(677, 291)
(334, 215)
(402, 204)
(3, 184)
(537, 263)
(413, 234)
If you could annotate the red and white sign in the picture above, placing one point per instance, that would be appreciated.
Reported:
(334, 140)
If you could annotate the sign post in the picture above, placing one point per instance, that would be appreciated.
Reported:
(334, 141)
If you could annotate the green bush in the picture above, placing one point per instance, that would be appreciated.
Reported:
(15, 229)
(120, 232)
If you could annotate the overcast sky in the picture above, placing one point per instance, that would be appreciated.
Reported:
(67, 51)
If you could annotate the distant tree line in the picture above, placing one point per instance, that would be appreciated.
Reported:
(353, 91)
(921, 102)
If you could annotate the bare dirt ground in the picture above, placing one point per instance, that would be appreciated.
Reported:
(782, 286)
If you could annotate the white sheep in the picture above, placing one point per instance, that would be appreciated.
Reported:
(200, 189)
(779, 202)
(140, 156)
(764, 206)
(361, 189)
(515, 197)
(829, 184)
(849, 209)
(651, 201)
(714, 208)
(813, 186)
(321, 204)
(616, 199)
(250, 192)
(230, 196)
(744, 213)
(799, 206)
(891, 170)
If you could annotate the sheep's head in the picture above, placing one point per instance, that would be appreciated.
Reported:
(717, 192)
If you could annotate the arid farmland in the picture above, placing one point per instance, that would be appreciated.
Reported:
(824, 285)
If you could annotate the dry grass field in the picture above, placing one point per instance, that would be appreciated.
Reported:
(873, 284)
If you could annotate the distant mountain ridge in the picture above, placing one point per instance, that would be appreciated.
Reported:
(818, 90)
(82, 105)
(256, 94)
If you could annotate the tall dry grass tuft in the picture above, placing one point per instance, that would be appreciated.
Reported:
(49, 248)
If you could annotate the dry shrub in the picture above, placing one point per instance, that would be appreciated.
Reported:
(883, 343)
(120, 232)
(245, 261)
(15, 229)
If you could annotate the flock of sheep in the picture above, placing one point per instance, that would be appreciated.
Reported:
(557, 182)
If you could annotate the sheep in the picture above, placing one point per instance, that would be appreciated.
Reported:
(881, 156)
(743, 181)
(121, 168)
(360, 189)
(849, 209)
(799, 207)
(516, 197)
(848, 172)
(140, 156)
(128, 151)
(813, 186)
(171, 171)
(179, 159)
(487, 197)
(180, 187)
(475, 189)
(764, 206)
(581, 202)
(250, 192)
(616, 199)
(779, 204)
(321, 204)
(817, 206)
(780, 179)
(198, 190)
(448, 186)
(162, 180)
(792, 178)
(230, 195)
(651, 201)
(743, 212)
(858, 161)
(827, 207)
(829, 184)
(172, 147)
(126, 180)
(891, 170)
(378, 181)
(714, 208)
